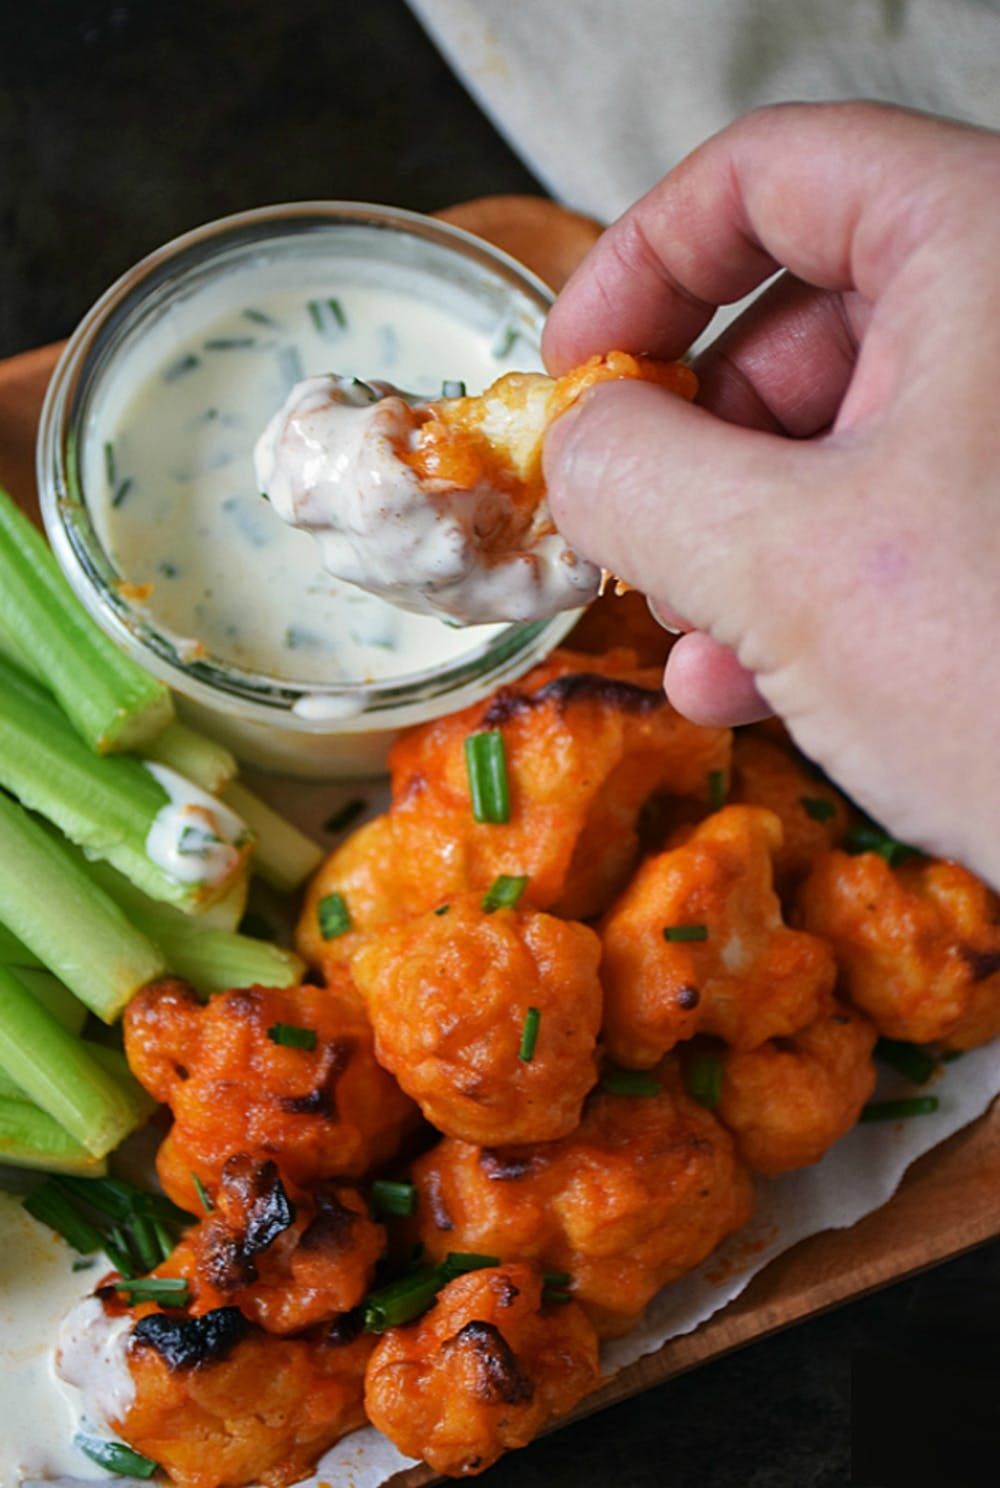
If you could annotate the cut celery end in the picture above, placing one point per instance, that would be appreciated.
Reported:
(29, 1138)
(210, 765)
(48, 901)
(112, 703)
(14, 952)
(53, 996)
(114, 1063)
(283, 856)
(152, 914)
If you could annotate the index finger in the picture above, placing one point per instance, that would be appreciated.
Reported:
(837, 193)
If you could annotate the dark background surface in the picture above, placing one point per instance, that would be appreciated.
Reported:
(124, 124)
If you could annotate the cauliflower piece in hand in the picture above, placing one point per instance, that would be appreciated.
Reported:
(486, 1369)
(696, 944)
(438, 507)
(487, 1018)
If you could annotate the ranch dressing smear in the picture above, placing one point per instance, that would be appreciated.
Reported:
(171, 484)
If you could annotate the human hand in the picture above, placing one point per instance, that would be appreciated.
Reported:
(828, 520)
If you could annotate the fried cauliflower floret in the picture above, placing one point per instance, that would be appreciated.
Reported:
(918, 945)
(814, 816)
(485, 1370)
(450, 997)
(788, 1101)
(639, 1194)
(324, 1112)
(374, 877)
(696, 944)
(286, 1258)
(621, 620)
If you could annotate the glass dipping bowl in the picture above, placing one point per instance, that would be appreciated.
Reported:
(336, 730)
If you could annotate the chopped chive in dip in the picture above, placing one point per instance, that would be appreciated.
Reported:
(230, 343)
(349, 812)
(486, 765)
(291, 1036)
(109, 464)
(818, 807)
(196, 842)
(442, 909)
(909, 1060)
(155, 1289)
(121, 491)
(900, 1110)
(703, 1079)
(503, 344)
(685, 932)
(504, 892)
(393, 1198)
(630, 1082)
(115, 1457)
(716, 789)
(184, 364)
(453, 389)
(202, 1192)
(166, 569)
(529, 1035)
(333, 916)
(259, 317)
(328, 317)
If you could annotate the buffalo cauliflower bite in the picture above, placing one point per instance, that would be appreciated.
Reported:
(621, 620)
(789, 1100)
(641, 1192)
(814, 816)
(286, 1258)
(918, 945)
(439, 506)
(696, 944)
(452, 996)
(486, 1369)
(329, 1111)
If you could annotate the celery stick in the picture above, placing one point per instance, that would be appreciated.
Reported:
(50, 992)
(105, 805)
(114, 1063)
(56, 1072)
(79, 932)
(112, 702)
(29, 1138)
(283, 856)
(14, 952)
(208, 764)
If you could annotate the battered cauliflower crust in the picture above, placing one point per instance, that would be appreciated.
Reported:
(749, 979)
(814, 816)
(918, 945)
(321, 1113)
(638, 1195)
(485, 1370)
(449, 996)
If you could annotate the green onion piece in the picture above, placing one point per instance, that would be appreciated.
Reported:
(820, 808)
(116, 1457)
(50, 1205)
(183, 364)
(869, 838)
(529, 1035)
(703, 1079)
(109, 1196)
(164, 1240)
(556, 1278)
(630, 1082)
(716, 789)
(403, 1300)
(442, 909)
(685, 932)
(910, 1060)
(333, 915)
(109, 465)
(453, 388)
(259, 317)
(282, 855)
(393, 1198)
(202, 1192)
(899, 1110)
(144, 1244)
(504, 892)
(116, 1248)
(328, 317)
(348, 813)
(124, 487)
(291, 1036)
(155, 1289)
(554, 1295)
(208, 764)
(458, 1262)
(230, 343)
(486, 765)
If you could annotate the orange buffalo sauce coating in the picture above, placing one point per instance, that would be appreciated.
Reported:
(814, 815)
(918, 946)
(486, 1369)
(746, 978)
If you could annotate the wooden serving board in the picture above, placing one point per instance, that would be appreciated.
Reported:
(949, 1200)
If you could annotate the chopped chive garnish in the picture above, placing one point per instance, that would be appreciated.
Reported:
(503, 343)
(154, 1289)
(818, 807)
(685, 932)
(393, 1198)
(116, 1457)
(504, 892)
(328, 317)
(83, 1265)
(183, 364)
(863, 839)
(202, 1192)
(458, 1262)
(50, 1206)
(256, 925)
(258, 317)
(230, 343)
(333, 916)
(556, 1278)
(486, 764)
(109, 464)
(107, 1195)
(116, 1248)
(716, 789)
(899, 1110)
(442, 909)
(909, 1060)
(453, 388)
(407, 1298)
(529, 1035)
(630, 1082)
(144, 1244)
(164, 1240)
(121, 491)
(555, 1295)
(291, 1036)
(349, 812)
(703, 1079)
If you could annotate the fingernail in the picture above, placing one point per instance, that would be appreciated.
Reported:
(666, 621)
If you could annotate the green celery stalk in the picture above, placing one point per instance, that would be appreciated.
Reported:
(56, 1072)
(14, 952)
(50, 992)
(210, 765)
(283, 856)
(29, 1138)
(112, 702)
(51, 903)
(114, 1063)
(105, 805)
